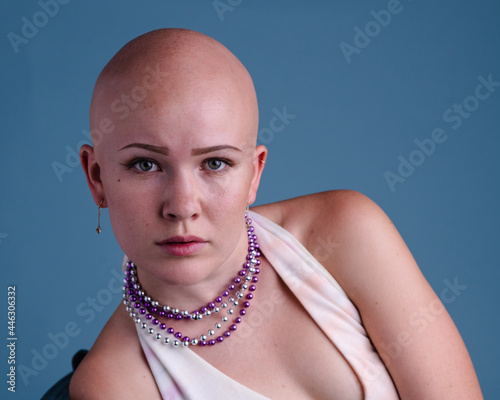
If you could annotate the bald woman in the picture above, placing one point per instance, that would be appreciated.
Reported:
(221, 302)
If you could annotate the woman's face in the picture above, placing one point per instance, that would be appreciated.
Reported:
(176, 175)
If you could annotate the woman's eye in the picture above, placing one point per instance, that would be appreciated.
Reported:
(215, 164)
(146, 166)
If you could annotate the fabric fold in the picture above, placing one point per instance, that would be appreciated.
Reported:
(181, 374)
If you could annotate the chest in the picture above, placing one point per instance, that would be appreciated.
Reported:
(280, 352)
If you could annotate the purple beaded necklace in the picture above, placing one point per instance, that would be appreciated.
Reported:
(146, 311)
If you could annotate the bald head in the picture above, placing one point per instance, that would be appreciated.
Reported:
(171, 48)
(166, 68)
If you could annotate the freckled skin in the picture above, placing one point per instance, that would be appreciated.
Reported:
(205, 98)
(159, 174)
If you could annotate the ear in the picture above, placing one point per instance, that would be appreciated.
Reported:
(93, 173)
(259, 161)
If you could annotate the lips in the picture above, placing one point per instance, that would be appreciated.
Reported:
(179, 246)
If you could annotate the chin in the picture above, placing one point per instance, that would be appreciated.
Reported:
(185, 271)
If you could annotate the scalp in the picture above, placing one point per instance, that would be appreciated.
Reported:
(169, 47)
(190, 63)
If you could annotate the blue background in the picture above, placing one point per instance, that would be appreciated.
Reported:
(355, 117)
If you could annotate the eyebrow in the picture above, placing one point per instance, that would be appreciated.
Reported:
(194, 152)
(204, 150)
(156, 149)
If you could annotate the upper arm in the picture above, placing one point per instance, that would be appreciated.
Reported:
(106, 376)
(90, 380)
(406, 321)
(115, 366)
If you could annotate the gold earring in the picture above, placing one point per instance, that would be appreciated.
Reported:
(99, 209)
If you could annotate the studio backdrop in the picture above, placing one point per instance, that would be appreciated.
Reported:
(397, 99)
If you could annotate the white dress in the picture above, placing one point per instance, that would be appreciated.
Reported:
(181, 374)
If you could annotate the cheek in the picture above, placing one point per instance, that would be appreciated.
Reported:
(130, 208)
(233, 205)
(124, 191)
(127, 219)
(228, 196)
(132, 223)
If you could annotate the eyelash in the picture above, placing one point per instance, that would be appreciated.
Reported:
(218, 171)
(136, 161)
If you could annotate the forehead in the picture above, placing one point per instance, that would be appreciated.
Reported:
(189, 110)
(175, 85)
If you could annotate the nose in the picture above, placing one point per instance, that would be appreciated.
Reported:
(182, 197)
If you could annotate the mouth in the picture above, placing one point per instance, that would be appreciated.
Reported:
(179, 246)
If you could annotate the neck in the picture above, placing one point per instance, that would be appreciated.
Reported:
(187, 291)
(230, 303)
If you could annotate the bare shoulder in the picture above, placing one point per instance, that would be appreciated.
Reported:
(307, 205)
(332, 214)
(351, 236)
(115, 366)
(332, 225)
(361, 248)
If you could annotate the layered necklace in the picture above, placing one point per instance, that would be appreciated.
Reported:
(147, 312)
